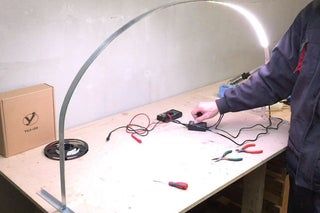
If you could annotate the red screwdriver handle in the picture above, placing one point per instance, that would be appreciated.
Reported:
(179, 185)
(254, 151)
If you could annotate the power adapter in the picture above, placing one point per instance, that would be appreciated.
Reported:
(202, 126)
(169, 115)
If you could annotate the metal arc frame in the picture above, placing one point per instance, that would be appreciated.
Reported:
(62, 206)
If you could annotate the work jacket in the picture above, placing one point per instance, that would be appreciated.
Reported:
(293, 69)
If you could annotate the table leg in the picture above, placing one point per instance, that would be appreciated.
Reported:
(253, 190)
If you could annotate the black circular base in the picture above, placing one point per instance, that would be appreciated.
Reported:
(74, 148)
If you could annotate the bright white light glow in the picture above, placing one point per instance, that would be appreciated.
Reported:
(255, 23)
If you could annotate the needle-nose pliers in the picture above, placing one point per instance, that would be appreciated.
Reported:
(223, 157)
(245, 149)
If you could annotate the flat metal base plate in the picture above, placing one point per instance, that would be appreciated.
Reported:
(54, 201)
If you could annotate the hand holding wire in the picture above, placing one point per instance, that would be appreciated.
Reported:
(204, 111)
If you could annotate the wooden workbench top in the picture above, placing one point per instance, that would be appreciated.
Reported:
(118, 176)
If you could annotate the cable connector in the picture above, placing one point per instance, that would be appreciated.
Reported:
(108, 137)
(202, 126)
(136, 138)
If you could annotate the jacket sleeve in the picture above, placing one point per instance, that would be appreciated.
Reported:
(273, 81)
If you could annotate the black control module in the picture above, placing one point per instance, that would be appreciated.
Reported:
(202, 126)
(169, 115)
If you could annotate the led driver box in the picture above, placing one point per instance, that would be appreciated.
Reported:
(169, 115)
(27, 119)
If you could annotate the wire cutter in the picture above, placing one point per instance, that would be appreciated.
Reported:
(223, 157)
(245, 149)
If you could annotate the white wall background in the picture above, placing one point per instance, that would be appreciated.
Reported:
(172, 51)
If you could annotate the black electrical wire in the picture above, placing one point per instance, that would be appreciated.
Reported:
(266, 128)
(135, 128)
(179, 122)
(240, 130)
(144, 130)
(231, 137)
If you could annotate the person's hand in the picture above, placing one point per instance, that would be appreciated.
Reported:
(204, 111)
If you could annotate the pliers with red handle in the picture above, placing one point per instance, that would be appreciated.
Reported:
(245, 149)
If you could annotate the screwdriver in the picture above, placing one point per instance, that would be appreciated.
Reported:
(179, 185)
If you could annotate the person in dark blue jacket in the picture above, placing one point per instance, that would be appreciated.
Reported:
(294, 69)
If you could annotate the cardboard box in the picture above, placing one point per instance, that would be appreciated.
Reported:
(27, 119)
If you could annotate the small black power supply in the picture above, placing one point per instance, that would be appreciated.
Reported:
(169, 115)
(202, 126)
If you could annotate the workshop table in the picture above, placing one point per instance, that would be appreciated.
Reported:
(118, 175)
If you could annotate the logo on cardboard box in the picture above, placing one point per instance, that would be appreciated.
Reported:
(30, 120)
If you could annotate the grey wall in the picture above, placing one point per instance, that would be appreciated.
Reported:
(172, 51)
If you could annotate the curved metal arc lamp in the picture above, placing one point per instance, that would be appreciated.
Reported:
(61, 206)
